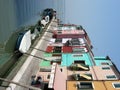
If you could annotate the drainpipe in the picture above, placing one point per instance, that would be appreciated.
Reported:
(104, 85)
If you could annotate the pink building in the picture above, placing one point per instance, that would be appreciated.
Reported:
(57, 78)
(106, 72)
(68, 34)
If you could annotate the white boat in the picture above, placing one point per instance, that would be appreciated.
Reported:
(24, 42)
(45, 21)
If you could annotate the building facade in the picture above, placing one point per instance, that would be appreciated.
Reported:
(71, 64)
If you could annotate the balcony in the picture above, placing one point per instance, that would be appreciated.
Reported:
(79, 67)
(77, 77)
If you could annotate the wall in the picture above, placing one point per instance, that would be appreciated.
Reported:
(68, 61)
(100, 60)
(101, 74)
(60, 80)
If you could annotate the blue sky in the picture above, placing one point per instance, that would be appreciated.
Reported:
(101, 19)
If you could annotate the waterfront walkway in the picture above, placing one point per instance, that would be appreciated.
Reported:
(31, 65)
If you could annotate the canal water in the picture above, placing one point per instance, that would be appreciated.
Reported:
(17, 14)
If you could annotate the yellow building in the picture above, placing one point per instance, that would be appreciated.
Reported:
(93, 85)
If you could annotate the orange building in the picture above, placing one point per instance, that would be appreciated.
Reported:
(93, 85)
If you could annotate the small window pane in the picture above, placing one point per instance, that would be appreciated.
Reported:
(116, 85)
(85, 85)
(77, 55)
(48, 77)
(104, 63)
(105, 68)
(111, 77)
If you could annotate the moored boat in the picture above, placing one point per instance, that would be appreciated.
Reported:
(24, 41)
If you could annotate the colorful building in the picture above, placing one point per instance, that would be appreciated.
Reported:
(93, 85)
(71, 64)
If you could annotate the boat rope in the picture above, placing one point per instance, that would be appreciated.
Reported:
(38, 49)
(36, 56)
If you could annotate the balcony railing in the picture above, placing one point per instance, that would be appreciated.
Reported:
(77, 77)
(79, 67)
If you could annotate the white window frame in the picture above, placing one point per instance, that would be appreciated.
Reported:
(77, 55)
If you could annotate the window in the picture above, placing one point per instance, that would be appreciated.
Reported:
(106, 68)
(104, 63)
(48, 76)
(75, 39)
(111, 77)
(59, 40)
(116, 85)
(61, 69)
(59, 32)
(45, 70)
(77, 55)
(78, 50)
(82, 62)
(85, 85)
(57, 49)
